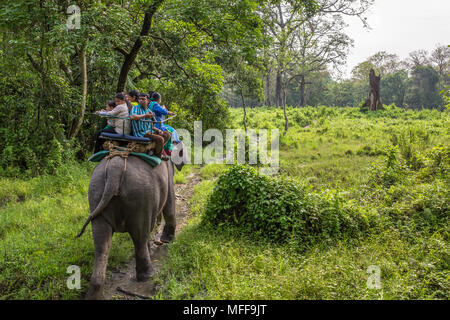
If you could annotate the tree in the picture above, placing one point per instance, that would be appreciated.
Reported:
(440, 57)
(318, 93)
(55, 62)
(393, 88)
(417, 58)
(247, 79)
(305, 43)
(385, 63)
(381, 62)
(299, 37)
(422, 90)
(343, 93)
(322, 44)
(281, 20)
(130, 57)
(361, 71)
(374, 101)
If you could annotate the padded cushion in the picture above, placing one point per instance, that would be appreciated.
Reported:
(98, 156)
(151, 160)
(124, 137)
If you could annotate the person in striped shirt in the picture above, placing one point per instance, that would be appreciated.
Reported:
(141, 117)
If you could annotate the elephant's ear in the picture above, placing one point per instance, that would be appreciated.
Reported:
(179, 156)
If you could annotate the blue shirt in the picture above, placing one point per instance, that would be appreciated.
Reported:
(140, 128)
(159, 112)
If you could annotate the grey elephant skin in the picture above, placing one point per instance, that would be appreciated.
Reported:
(128, 199)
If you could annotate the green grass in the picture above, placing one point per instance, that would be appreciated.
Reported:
(38, 226)
(205, 263)
(332, 149)
(212, 170)
(180, 176)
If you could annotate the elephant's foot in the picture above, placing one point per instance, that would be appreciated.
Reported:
(144, 269)
(95, 293)
(168, 234)
(144, 276)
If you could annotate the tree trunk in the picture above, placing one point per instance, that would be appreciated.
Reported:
(268, 88)
(245, 111)
(286, 123)
(131, 56)
(302, 91)
(374, 102)
(278, 98)
(79, 121)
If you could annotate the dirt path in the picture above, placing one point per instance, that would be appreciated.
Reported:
(121, 282)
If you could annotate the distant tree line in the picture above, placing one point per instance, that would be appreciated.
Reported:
(414, 83)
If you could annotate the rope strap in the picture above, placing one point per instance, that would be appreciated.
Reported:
(123, 152)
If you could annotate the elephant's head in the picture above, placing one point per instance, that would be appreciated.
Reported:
(179, 156)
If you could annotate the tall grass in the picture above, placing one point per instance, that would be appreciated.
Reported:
(391, 164)
(39, 219)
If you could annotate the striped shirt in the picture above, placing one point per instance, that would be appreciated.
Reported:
(140, 128)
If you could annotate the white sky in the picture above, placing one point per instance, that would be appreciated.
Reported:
(399, 26)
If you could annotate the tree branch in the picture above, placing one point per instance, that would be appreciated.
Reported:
(131, 56)
(172, 54)
(122, 51)
(34, 63)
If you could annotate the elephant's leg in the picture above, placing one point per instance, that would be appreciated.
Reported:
(169, 217)
(144, 268)
(158, 219)
(102, 234)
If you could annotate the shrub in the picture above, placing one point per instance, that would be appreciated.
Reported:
(396, 183)
(279, 209)
(410, 141)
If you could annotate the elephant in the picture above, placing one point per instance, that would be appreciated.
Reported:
(126, 195)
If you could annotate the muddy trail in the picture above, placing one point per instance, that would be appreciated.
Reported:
(121, 282)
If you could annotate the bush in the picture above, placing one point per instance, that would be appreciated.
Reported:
(414, 197)
(279, 210)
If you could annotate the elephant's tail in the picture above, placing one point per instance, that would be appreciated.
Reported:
(113, 180)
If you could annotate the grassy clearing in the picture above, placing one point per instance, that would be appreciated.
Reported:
(334, 150)
(207, 263)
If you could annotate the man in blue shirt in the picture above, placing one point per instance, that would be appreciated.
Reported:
(159, 111)
(141, 122)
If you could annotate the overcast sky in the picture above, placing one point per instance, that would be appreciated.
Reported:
(399, 26)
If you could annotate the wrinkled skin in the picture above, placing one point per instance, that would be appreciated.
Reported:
(129, 203)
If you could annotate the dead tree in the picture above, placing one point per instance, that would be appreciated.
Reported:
(374, 102)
